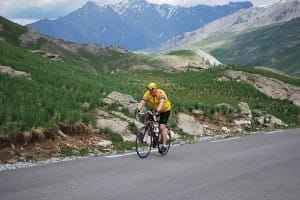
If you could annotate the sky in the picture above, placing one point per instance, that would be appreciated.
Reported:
(28, 11)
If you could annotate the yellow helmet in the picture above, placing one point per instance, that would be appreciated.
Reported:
(152, 85)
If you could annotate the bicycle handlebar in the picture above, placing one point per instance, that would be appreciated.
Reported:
(149, 112)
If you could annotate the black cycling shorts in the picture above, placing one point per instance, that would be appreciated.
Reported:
(164, 116)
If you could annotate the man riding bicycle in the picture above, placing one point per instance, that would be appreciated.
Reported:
(161, 106)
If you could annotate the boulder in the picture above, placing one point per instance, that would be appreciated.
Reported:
(105, 143)
(118, 125)
(14, 73)
(269, 121)
(189, 124)
(123, 100)
(245, 109)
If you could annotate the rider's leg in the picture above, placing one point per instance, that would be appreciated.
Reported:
(163, 126)
(164, 133)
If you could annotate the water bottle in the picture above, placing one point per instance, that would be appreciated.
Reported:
(156, 129)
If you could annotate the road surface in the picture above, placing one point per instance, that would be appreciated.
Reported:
(254, 167)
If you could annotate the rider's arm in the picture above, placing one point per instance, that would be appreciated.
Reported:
(161, 104)
(141, 104)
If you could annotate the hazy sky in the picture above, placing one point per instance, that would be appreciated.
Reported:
(26, 11)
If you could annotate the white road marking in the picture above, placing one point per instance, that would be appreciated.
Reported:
(120, 155)
(272, 132)
(227, 139)
(132, 153)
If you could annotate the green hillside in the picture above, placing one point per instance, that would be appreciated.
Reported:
(275, 46)
(66, 91)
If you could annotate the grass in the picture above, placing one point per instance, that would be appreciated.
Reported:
(182, 53)
(68, 151)
(56, 92)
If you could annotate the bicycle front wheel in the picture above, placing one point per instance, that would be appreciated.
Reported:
(143, 142)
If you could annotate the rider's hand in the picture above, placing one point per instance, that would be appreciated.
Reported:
(137, 111)
(156, 113)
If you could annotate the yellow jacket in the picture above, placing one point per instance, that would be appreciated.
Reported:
(154, 100)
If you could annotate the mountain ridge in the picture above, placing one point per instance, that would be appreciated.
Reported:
(240, 21)
(133, 30)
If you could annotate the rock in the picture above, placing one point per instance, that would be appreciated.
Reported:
(61, 134)
(117, 125)
(260, 120)
(174, 135)
(245, 109)
(189, 124)
(276, 121)
(243, 122)
(225, 129)
(121, 99)
(14, 73)
(198, 112)
(269, 121)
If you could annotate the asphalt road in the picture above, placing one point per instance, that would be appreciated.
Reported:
(255, 167)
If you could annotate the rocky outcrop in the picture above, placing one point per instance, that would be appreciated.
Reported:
(189, 124)
(115, 124)
(201, 60)
(14, 73)
(207, 57)
(45, 54)
(269, 86)
(122, 100)
(245, 109)
(268, 121)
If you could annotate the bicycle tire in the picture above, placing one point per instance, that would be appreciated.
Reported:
(143, 142)
(169, 140)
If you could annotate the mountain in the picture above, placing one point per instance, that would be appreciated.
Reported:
(240, 21)
(276, 46)
(132, 24)
(96, 58)
(219, 34)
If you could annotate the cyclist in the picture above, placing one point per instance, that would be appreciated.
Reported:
(161, 106)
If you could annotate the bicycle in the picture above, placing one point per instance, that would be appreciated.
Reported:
(149, 136)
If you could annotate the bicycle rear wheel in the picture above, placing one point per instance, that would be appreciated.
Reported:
(168, 143)
(143, 142)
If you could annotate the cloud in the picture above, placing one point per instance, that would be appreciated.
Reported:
(13, 8)
(23, 21)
